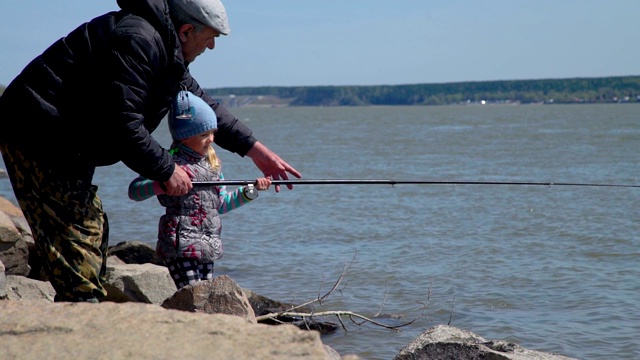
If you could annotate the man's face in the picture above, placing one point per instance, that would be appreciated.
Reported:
(195, 43)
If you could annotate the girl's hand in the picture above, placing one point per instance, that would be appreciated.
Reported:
(263, 183)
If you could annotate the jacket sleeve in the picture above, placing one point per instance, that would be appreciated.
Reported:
(135, 57)
(233, 135)
(231, 200)
(142, 188)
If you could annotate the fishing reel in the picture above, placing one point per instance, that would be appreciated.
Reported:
(250, 192)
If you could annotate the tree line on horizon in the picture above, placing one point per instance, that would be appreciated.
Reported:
(616, 89)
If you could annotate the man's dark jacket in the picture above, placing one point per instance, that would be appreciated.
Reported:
(93, 97)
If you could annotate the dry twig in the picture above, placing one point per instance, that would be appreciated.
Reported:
(290, 312)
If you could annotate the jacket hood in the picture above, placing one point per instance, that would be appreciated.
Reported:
(156, 13)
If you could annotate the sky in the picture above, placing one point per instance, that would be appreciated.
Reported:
(373, 42)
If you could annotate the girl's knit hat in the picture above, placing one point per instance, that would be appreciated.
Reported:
(190, 116)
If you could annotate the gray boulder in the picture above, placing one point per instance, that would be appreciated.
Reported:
(23, 288)
(14, 251)
(14, 238)
(146, 283)
(135, 252)
(220, 295)
(444, 342)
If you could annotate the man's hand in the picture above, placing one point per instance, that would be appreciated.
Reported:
(271, 165)
(179, 183)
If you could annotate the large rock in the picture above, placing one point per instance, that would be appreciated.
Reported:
(145, 283)
(14, 251)
(135, 252)
(263, 305)
(22, 288)
(17, 217)
(14, 237)
(144, 331)
(444, 342)
(220, 295)
(9, 208)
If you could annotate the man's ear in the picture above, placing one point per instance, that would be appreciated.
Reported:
(184, 31)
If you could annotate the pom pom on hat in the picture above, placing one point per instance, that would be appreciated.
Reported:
(209, 12)
(190, 115)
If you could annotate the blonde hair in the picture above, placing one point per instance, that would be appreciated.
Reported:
(214, 161)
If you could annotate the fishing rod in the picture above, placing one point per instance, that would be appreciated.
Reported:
(398, 182)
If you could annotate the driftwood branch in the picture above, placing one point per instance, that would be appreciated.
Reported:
(354, 317)
(351, 315)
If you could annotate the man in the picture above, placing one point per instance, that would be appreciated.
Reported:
(92, 99)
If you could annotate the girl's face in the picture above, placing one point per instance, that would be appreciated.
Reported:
(200, 143)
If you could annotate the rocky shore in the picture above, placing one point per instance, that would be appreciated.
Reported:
(145, 317)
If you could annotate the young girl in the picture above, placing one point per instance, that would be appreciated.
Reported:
(189, 232)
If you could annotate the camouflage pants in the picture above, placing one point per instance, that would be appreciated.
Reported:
(69, 227)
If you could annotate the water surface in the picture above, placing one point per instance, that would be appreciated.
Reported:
(551, 268)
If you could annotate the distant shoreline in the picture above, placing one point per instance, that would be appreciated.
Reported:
(275, 102)
(622, 89)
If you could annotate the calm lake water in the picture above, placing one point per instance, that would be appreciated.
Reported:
(554, 269)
